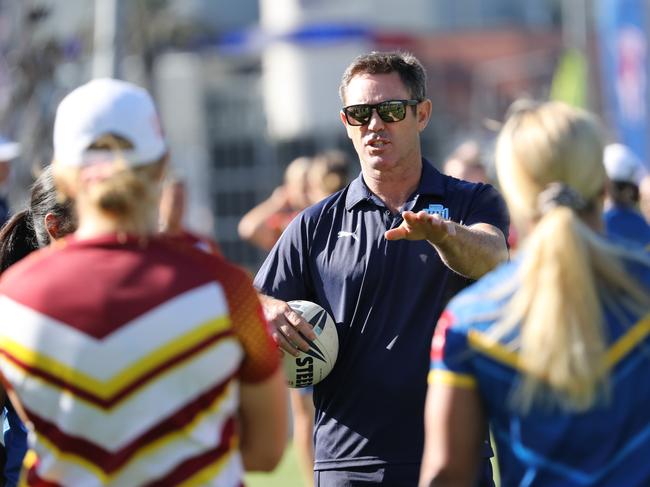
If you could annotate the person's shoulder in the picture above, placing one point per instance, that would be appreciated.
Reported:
(467, 187)
(326, 205)
(31, 264)
(482, 302)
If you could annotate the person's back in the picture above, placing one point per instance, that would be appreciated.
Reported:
(136, 358)
(137, 321)
(606, 445)
(552, 347)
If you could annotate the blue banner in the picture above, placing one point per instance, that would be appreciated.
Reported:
(624, 60)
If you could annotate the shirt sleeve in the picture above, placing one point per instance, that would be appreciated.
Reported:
(285, 273)
(261, 356)
(488, 206)
(450, 355)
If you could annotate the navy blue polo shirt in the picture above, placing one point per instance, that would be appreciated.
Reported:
(385, 297)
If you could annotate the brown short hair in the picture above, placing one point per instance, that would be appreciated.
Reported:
(405, 64)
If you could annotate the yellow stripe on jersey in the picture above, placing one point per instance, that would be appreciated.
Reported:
(150, 449)
(109, 388)
(615, 354)
(92, 404)
(28, 462)
(211, 472)
(453, 379)
(628, 341)
(492, 348)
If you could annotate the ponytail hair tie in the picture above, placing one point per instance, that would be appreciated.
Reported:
(559, 194)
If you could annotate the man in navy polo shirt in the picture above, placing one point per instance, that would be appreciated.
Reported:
(350, 254)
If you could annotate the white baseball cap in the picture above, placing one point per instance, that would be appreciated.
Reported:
(622, 165)
(107, 106)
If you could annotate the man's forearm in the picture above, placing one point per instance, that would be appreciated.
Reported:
(473, 251)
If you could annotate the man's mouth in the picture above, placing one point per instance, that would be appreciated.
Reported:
(377, 143)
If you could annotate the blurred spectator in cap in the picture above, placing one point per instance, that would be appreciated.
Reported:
(622, 217)
(8, 150)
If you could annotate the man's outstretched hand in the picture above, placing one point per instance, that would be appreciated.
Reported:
(422, 226)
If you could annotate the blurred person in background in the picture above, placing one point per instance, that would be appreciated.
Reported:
(8, 151)
(644, 197)
(465, 163)
(42, 222)
(622, 215)
(135, 358)
(263, 225)
(327, 174)
(552, 347)
(385, 295)
(171, 215)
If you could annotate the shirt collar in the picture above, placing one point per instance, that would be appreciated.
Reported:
(431, 183)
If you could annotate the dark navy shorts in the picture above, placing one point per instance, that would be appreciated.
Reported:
(386, 476)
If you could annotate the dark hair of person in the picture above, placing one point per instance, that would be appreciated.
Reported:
(409, 68)
(26, 231)
(624, 193)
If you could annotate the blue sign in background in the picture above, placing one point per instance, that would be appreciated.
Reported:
(622, 34)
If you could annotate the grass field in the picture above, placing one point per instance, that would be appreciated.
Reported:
(286, 475)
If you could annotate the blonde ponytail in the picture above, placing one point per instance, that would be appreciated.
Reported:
(562, 341)
(130, 196)
(567, 271)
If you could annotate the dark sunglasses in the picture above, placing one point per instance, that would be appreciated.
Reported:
(389, 111)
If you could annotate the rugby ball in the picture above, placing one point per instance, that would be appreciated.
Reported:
(311, 367)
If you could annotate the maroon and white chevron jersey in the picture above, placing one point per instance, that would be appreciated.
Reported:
(127, 355)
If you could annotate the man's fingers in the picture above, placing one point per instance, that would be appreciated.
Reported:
(292, 335)
(395, 233)
(300, 324)
(283, 343)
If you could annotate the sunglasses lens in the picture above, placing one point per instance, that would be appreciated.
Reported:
(358, 114)
(392, 111)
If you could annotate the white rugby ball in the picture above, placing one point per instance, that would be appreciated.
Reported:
(311, 367)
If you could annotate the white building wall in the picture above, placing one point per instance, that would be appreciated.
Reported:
(300, 80)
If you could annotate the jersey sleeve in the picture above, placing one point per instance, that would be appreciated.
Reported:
(450, 355)
(261, 356)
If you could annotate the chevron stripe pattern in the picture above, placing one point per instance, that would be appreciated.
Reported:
(150, 400)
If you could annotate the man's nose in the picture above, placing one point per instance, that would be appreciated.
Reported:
(375, 123)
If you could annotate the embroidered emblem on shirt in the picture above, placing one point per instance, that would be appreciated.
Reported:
(438, 210)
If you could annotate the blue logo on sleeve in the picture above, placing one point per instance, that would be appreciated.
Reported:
(438, 210)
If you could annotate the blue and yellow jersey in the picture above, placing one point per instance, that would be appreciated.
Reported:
(607, 445)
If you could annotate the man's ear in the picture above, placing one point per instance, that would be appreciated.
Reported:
(52, 226)
(424, 110)
(345, 123)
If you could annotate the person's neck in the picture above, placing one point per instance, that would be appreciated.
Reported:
(95, 223)
(172, 228)
(395, 186)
